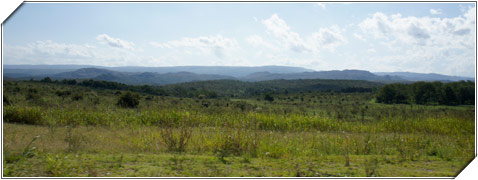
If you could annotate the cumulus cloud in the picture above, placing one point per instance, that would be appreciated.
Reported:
(360, 37)
(279, 28)
(324, 38)
(424, 44)
(51, 52)
(422, 30)
(328, 38)
(114, 42)
(435, 11)
(258, 41)
(48, 50)
(216, 45)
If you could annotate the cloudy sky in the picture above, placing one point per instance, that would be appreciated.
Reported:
(378, 37)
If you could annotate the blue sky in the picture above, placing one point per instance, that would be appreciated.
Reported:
(378, 37)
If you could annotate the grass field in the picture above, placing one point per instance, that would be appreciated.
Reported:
(85, 133)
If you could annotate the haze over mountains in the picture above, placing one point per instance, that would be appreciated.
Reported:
(179, 74)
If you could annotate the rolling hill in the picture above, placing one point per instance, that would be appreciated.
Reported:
(180, 74)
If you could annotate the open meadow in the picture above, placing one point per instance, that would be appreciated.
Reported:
(64, 129)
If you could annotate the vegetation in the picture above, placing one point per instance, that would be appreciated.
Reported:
(128, 100)
(429, 93)
(71, 128)
(230, 88)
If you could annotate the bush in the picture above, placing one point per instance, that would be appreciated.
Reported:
(268, 97)
(6, 102)
(128, 100)
(176, 139)
(30, 115)
(63, 94)
(77, 96)
(34, 97)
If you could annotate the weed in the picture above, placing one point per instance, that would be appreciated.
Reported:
(25, 115)
(56, 165)
(176, 139)
(74, 141)
(128, 100)
(370, 166)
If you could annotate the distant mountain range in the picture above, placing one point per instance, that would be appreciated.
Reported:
(345, 74)
(234, 71)
(180, 74)
(410, 76)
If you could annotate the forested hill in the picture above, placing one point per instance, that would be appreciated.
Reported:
(230, 88)
(234, 71)
(137, 78)
(409, 76)
(154, 78)
(345, 74)
(239, 88)
(181, 74)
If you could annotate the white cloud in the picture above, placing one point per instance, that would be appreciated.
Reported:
(371, 50)
(425, 31)
(203, 41)
(324, 38)
(216, 45)
(50, 52)
(279, 28)
(322, 5)
(114, 42)
(328, 38)
(435, 11)
(360, 37)
(423, 44)
(258, 41)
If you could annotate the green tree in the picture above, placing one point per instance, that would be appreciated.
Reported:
(450, 96)
(425, 93)
(46, 79)
(128, 100)
(386, 94)
(268, 97)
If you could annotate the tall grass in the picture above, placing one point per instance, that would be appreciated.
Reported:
(320, 125)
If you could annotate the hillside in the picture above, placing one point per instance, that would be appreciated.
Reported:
(137, 78)
(345, 74)
(240, 88)
(234, 71)
(181, 74)
(410, 76)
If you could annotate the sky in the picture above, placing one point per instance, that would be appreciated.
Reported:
(377, 37)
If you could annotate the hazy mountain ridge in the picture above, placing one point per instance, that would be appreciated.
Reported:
(411, 76)
(137, 77)
(172, 75)
(235, 71)
(335, 74)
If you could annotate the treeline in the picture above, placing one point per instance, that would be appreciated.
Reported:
(231, 88)
(428, 93)
(241, 88)
(146, 89)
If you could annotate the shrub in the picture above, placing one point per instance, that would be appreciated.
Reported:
(129, 100)
(268, 97)
(26, 115)
(6, 101)
(46, 79)
(63, 94)
(77, 96)
(176, 139)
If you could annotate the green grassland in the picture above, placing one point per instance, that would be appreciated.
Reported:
(52, 129)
